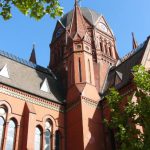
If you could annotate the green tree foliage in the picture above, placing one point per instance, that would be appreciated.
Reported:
(34, 8)
(127, 116)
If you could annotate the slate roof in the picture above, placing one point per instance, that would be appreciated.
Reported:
(124, 69)
(89, 14)
(28, 77)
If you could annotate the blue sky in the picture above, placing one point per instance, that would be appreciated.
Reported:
(124, 16)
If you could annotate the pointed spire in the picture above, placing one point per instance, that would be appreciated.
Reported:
(76, 2)
(134, 42)
(33, 55)
(78, 24)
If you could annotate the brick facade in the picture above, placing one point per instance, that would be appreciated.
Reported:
(84, 61)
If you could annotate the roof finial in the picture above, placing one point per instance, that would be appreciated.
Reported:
(77, 2)
(33, 55)
(33, 45)
(134, 42)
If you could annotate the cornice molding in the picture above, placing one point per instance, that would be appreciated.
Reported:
(90, 102)
(30, 98)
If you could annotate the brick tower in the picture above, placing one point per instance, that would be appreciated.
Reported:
(82, 50)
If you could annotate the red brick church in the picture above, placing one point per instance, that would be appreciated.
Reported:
(62, 107)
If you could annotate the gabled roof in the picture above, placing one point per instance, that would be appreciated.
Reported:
(89, 14)
(29, 77)
(125, 68)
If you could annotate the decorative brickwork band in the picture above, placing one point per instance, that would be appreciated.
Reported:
(30, 98)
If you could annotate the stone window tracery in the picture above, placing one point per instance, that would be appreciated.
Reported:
(48, 128)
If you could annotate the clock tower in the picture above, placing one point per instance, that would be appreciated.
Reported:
(82, 50)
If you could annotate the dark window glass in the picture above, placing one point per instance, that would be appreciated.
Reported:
(47, 140)
(112, 139)
(71, 74)
(106, 49)
(62, 52)
(71, 49)
(101, 46)
(89, 71)
(57, 140)
(79, 46)
(110, 51)
(79, 68)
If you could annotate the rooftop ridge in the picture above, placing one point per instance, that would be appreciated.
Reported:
(98, 13)
(129, 55)
(84, 10)
(132, 52)
(24, 62)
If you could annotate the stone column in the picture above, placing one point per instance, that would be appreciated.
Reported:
(17, 137)
(5, 135)
(29, 124)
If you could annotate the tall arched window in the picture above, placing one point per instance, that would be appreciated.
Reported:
(101, 46)
(89, 67)
(57, 140)
(79, 70)
(10, 141)
(48, 128)
(2, 124)
(106, 48)
(38, 139)
(110, 51)
(1, 130)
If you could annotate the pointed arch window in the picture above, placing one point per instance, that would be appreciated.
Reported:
(10, 141)
(57, 140)
(38, 139)
(48, 140)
